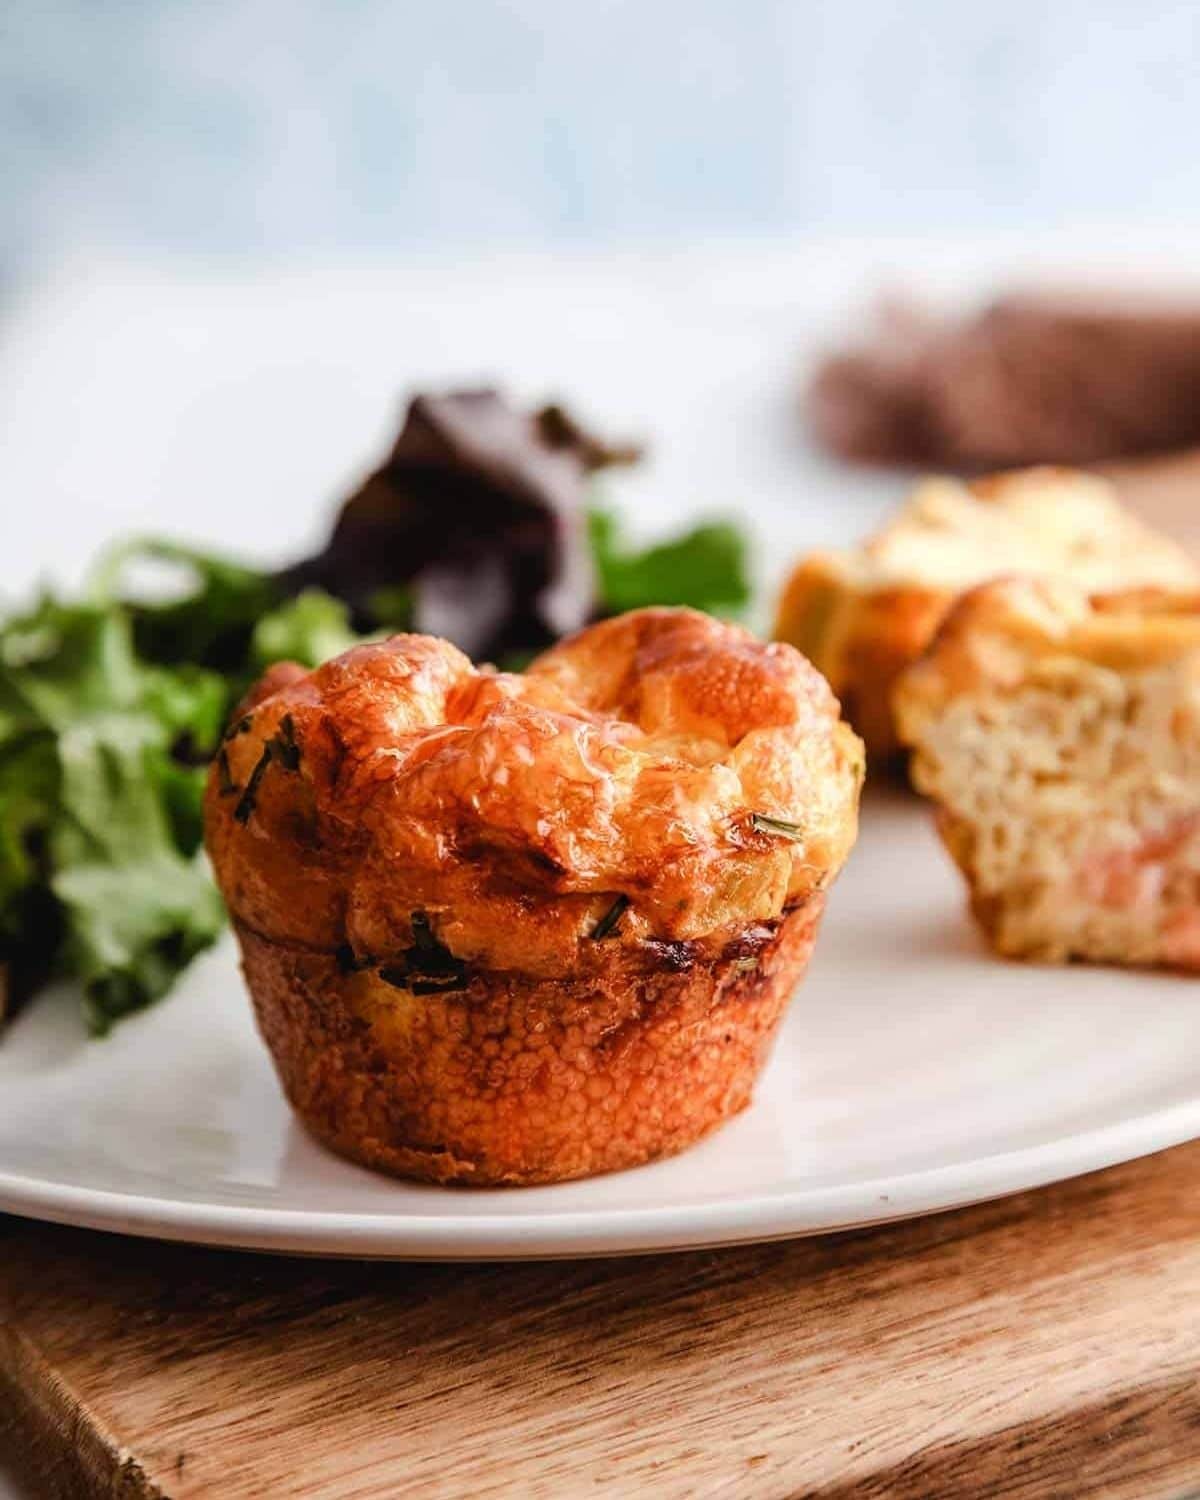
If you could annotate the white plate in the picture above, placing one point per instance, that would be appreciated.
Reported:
(913, 1073)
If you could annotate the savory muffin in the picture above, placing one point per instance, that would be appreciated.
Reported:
(509, 928)
(862, 615)
(1059, 736)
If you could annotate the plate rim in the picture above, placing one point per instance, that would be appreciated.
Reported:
(616, 1231)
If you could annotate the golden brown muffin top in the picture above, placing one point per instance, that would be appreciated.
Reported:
(1005, 632)
(660, 778)
(950, 536)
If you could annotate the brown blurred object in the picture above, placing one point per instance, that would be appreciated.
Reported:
(1033, 378)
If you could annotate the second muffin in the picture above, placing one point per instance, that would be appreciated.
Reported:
(863, 614)
(1059, 737)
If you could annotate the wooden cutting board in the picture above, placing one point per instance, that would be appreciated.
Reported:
(1045, 1345)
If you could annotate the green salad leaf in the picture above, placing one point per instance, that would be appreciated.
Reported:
(704, 567)
(209, 623)
(309, 629)
(138, 904)
(110, 710)
(99, 818)
(29, 924)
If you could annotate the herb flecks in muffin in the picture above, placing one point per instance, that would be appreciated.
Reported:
(428, 967)
(238, 727)
(284, 748)
(611, 920)
(281, 749)
(225, 782)
(781, 827)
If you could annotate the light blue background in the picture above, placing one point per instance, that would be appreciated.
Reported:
(295, 126)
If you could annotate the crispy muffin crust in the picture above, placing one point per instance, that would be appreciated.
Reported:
(515, 1080)
(864, 614)
(1059, 736)
(463, 896)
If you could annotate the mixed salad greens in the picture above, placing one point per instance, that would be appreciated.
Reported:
(111, 707)
(109, 714)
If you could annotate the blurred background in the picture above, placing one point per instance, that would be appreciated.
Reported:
(237, 234)
(287, 127)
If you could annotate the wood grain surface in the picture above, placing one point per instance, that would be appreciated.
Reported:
(1045, 1345)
